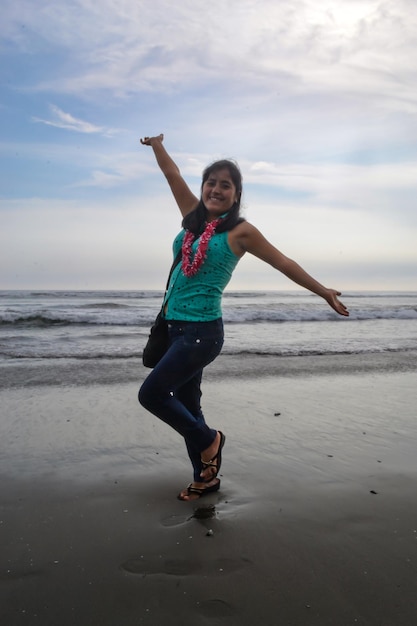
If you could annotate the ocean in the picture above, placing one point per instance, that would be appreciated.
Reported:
(45, 329)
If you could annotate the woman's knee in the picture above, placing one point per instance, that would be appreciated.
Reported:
(151, 395)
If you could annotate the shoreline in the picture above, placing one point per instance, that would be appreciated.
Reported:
(51, 372)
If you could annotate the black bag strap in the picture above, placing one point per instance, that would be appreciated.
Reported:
(173, 266)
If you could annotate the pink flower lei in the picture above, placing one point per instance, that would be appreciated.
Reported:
(191, 268)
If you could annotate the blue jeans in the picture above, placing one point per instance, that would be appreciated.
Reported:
(172, 390)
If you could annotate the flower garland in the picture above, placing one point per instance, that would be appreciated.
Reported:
(191, 268)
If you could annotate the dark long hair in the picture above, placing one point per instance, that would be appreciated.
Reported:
(195, 221)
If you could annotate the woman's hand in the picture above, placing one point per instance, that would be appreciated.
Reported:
(147, 141)
(332, 299)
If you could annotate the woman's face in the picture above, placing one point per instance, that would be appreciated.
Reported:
(219, 193)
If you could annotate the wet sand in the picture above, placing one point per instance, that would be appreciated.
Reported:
(315, 524)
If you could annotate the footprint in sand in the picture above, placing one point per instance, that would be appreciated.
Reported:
(216, 608)
(174, 520)
(155, 565)
(152, 566)
(200, 513)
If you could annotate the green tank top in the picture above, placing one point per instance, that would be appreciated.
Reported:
(198, 298)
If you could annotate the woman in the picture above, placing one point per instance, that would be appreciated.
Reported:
(213, 239)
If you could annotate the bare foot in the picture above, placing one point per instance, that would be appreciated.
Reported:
(194, 491)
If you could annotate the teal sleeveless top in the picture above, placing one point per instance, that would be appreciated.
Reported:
(198, 298)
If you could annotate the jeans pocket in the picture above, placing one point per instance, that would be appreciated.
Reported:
(203, 347)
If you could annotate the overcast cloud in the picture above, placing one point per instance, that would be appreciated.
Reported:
(317, 101)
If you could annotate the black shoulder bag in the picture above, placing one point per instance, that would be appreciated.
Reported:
(157, 343)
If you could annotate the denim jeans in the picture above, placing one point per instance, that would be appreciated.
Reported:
(172, 390)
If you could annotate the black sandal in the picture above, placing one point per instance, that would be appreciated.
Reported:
(199, 491)
(217, 456)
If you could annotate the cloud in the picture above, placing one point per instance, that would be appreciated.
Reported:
(369, 188)
(350, 46)
(327, 178)
(69, 122)
(131, 246)
(315, 100)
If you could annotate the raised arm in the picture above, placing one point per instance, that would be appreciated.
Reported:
(250, 239)
(183, 195)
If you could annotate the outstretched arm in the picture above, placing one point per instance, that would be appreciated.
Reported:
(183, 195)
(250, 239)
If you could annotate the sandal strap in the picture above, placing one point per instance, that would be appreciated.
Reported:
(217, 457)
(207, 464)
(202, 490)
(196, 490)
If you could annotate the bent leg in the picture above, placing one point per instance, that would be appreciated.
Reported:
(190, 395)
(163, 393)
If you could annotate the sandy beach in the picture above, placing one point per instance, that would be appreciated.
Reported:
(315, 524)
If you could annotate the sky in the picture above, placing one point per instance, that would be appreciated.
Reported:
(316, 101)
